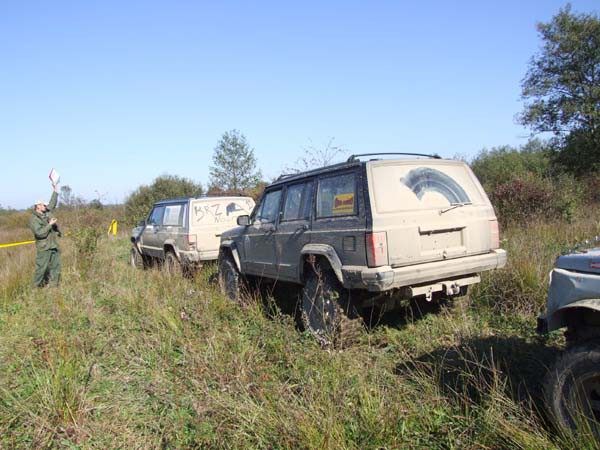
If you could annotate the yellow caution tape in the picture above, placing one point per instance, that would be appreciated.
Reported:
(113, 228)
(14, 244)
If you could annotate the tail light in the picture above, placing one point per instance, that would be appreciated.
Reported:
(494, 234)
(191, 241)
(377, 249)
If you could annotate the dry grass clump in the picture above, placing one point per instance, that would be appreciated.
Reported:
(522, 285)
(121, 358)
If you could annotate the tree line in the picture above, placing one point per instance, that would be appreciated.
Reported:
(550, 176)
(555, 174)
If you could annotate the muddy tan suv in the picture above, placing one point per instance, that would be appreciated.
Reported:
(183, 233)
(365, 233)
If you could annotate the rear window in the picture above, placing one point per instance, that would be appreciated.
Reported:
(408, 187)
(211, 211)
(337, 196)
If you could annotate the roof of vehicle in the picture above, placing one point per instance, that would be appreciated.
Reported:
(286, 178)
(202, 197)
(352, 161)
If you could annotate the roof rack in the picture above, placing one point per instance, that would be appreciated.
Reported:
(286, 175)
(353, 158)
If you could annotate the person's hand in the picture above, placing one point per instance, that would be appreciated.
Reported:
(53, 221)
(55, 187)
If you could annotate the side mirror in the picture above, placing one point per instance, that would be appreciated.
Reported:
(243, 221)
(142, 223)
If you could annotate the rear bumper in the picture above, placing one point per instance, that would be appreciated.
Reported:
(193, 257)
(386, 277)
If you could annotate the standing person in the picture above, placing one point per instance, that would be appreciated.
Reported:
(46, 232)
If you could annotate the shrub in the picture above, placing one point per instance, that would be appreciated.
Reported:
(523, 184)
(87, 227)
(504, 164)
(138, 204)
(523, 199)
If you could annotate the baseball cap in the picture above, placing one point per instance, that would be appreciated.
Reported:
(41, 202)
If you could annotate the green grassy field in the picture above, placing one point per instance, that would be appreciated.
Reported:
(119, 358)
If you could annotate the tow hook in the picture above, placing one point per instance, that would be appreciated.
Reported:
(429, 294)
(452, 289)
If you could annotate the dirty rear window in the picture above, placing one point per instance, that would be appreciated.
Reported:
(337, 196)
(406, 187)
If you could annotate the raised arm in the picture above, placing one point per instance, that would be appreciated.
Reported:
(54, 198)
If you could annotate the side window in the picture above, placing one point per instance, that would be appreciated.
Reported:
(337, 196)
(173, 215)
(270, 207)
(298, 200)
(155, 216)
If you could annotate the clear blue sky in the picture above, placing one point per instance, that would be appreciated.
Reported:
(116, 93)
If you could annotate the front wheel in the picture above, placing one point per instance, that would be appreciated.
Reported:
(230, 279)
(136, 259)
(328, 311)
(572, 388)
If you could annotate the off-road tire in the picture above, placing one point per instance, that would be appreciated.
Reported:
(231, 280)
(328, 311)
(172, 264)
(572, 388)
(136, 259)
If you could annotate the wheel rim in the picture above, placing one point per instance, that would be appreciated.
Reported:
(586, 398)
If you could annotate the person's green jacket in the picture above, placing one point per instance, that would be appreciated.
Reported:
(45, 234)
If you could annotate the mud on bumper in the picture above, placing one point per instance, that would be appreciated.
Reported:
(419, 277)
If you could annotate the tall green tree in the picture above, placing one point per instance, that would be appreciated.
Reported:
(562, 87)
(234, 164)
(140, 201)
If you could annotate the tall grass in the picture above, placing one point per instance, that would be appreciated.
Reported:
(121, 358)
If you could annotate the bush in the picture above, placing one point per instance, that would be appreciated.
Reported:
(253, 192)
(522, 183)
(139, 203)
(504, 164)
(522, 199)
(86, 226)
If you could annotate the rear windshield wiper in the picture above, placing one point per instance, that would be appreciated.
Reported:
(454, 206)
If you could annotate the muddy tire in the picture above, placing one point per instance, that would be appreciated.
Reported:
(230, 279)
(328, 311)
(572, 388)
(171, 264)
(136, 260)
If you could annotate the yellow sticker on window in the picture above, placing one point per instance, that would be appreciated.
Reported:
(343, 204)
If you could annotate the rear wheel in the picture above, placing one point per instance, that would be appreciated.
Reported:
(572, 388)
(171, 263)
(328, 311)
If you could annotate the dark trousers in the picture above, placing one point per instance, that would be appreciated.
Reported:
(47, 268)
